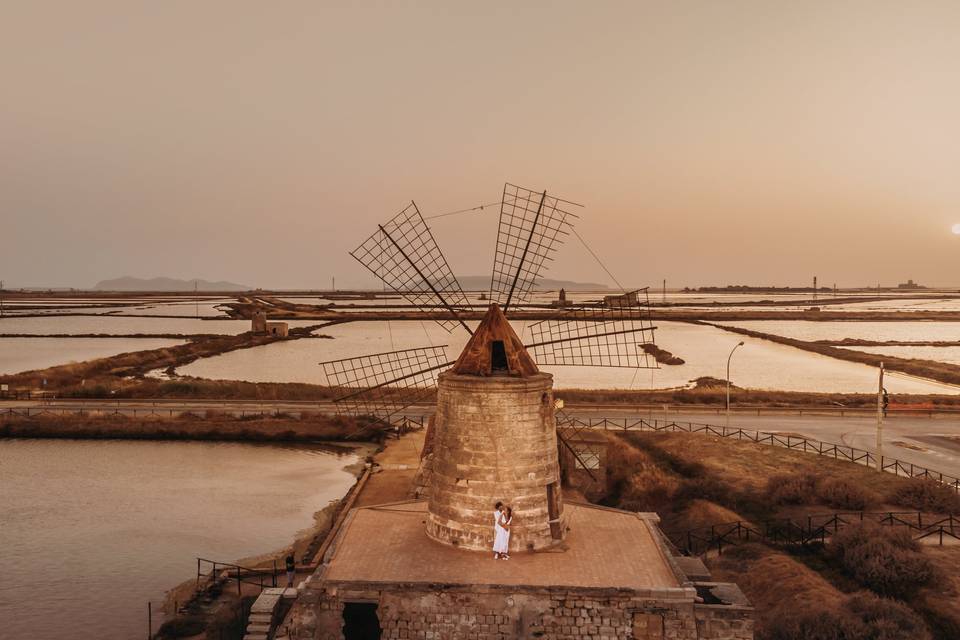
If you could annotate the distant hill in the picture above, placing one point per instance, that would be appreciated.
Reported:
(482, 283)
(166, 284)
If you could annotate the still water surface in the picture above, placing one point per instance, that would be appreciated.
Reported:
(27, 354)
(812, 330)
(92, 530)
(759, 364)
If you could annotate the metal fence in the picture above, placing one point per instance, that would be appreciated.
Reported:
(796, 443)
(230, 573)
(812, 529)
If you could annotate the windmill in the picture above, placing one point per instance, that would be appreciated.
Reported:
(405, 256)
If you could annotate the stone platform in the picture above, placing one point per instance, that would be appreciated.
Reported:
(612, 578)
(604, 548)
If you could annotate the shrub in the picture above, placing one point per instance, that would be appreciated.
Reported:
(813, 625)
(844, 494)
(865, 617)
(927, 495)
(671, 462)
(883, 559)
(887, 619)
(635, 482)
(797, 488)
(230, 619)
(703, 489)
(182, 627)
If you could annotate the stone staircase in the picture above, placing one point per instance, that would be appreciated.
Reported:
(264, 609)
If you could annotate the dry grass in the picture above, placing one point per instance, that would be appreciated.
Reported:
(774, 582)
(697, 514)
(212, 426)
(940, 603)
(808, 595)
(747, 467)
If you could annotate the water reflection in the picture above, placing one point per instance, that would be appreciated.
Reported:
(92, 530)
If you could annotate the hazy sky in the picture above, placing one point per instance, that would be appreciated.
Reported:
(711, 142)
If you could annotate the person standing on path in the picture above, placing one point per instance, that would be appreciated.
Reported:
(291, 570)
(507, 520)
(501, 536)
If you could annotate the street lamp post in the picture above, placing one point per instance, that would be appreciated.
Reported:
(739, 344)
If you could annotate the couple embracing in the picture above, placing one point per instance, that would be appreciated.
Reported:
(502, 518)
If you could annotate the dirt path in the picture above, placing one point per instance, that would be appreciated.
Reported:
(398, 463)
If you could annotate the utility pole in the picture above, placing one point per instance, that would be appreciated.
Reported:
(1, 298)
(880, 421)
(740, 344)
(196, 284)
(814, 288)
(333, 284)
(664, 291)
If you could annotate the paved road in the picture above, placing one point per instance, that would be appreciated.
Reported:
(932, 442)
(929, 442)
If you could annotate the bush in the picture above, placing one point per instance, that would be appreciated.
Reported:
(798, 488)
(635, 482)
(865, 617)
(670, 462)
(927, 495)
(703, 489)
(883, 559)
(887, 619)
(843, 494)
(813, 625)
(182, 627)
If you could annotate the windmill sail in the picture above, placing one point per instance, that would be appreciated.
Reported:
(532, 226)
(405, 256)
(608, 336)
(383, 384)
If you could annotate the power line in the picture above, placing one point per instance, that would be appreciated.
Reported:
(599, 261)
(479, 207)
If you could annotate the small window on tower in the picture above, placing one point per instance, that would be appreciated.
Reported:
(498, 357)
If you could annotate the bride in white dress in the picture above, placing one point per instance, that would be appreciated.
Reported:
(501, 532)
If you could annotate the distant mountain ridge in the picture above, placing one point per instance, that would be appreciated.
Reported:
(482, 283)
(128, 283)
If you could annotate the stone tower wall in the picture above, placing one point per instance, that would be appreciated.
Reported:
(258, 323)
(495, 440)
(498, 613)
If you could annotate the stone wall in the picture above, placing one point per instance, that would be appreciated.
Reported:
(494, 440)
(412, 612)
(258, 323)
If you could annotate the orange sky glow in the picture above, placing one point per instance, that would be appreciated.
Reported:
(712, 142)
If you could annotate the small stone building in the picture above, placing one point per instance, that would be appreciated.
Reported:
(259, 325)
(619, 301)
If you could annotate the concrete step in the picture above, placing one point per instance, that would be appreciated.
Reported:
(255, 636)
(260, 618)
(258, 628)
(267, 602)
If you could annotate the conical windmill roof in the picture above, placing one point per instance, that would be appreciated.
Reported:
(477, 358)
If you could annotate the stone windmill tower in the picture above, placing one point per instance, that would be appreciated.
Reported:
(495, 438)
(495, 430)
